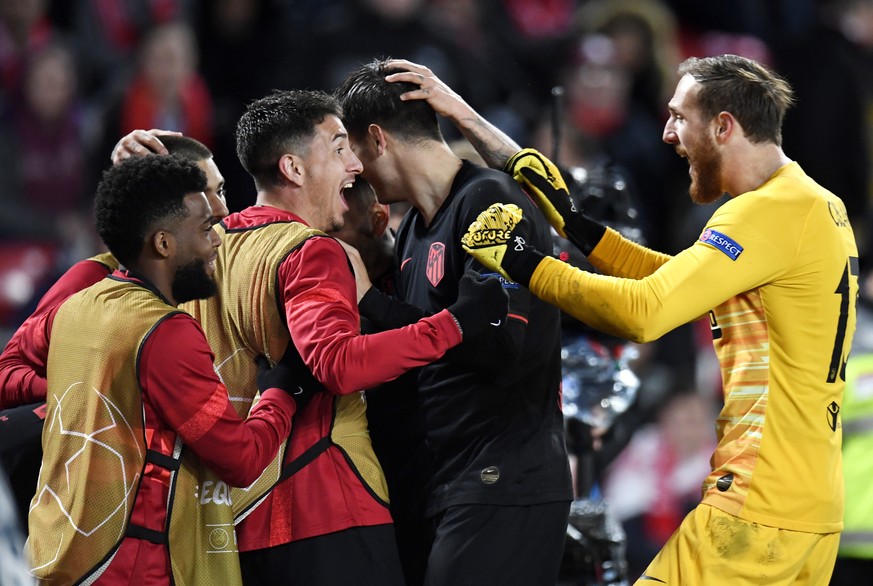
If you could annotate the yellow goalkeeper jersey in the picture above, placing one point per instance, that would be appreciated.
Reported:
(776, 269)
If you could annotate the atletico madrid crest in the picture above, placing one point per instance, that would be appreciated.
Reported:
(436, 263)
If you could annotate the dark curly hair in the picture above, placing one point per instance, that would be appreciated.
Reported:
(366, 98)
(279, 123)
(134, 197)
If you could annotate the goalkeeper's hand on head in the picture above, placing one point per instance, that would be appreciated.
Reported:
(495, 240)
(290, 374)
(482, 303)
(543, 181)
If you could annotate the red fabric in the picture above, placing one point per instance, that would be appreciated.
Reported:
(119, 25)
(22, 364)
(179, 385)
(140, 109)
(182, 394)
(541, 19)
(318, 293)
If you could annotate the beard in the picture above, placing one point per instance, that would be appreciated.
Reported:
(191, 281)
(706, 174)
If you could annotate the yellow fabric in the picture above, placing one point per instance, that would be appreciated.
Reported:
(535, 161)
(245, 320)
(93, 439)
(783, 316)
(88, 483)
(712, 547)
(203, 547)
(486, 238)
(106, 258)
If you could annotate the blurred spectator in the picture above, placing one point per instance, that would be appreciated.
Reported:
(600, 106)
(236, 37)
(166, 91)
(529, 43)
(43, 158)
(108, 34)
(645, 36)
(657, 479)
(378, 28)
(765, 20)
(24, 29)
(828, 131)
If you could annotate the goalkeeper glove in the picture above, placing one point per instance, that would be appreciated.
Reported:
(290, 375)
(494, 239)
(542, 179)
(481, 303)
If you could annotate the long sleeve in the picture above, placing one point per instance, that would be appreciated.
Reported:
(617, 256)
(319, 298)
(674, 292)
(22, 364)
(179, 383)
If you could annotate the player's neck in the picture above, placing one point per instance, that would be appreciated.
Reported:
(428, 178)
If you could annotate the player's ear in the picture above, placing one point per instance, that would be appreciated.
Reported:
(162, 243)
(379, 216)
(291, 168)
(377, 138)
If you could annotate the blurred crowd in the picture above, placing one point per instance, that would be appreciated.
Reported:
(585, 81)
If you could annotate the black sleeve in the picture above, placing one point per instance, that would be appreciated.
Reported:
(496, 351)
(384, 312)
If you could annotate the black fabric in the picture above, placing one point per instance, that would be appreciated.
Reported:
(387, 313)
(162, 460)
(21, 453)
(520, 261)
(480, 304)
(369, 556)
(503, 412)
(290, 374)
(522, 545)
(298, 463)
(146, 534)
(581, 230)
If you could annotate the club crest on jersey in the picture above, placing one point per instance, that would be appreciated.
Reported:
(436, 263)
(722, 242)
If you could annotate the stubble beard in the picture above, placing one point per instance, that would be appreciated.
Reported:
(706, 175)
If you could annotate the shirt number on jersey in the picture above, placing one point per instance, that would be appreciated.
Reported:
(838, 361)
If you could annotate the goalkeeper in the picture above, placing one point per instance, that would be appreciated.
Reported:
(775, 269)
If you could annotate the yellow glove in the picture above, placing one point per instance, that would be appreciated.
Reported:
(541, 178)
(492, 239)
(543, 181)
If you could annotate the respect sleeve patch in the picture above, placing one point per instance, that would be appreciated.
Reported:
(721, 242)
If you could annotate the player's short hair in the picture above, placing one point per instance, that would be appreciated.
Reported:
(280, 123)
(367, 98)
(186, 147)
(756, 96)
(138, 194)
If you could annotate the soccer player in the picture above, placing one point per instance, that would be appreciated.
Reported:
(491, 415)
(776, 270)
(135, 409)
(284, 281)
(22, 363)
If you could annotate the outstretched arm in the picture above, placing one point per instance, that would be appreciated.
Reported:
(490, 142)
